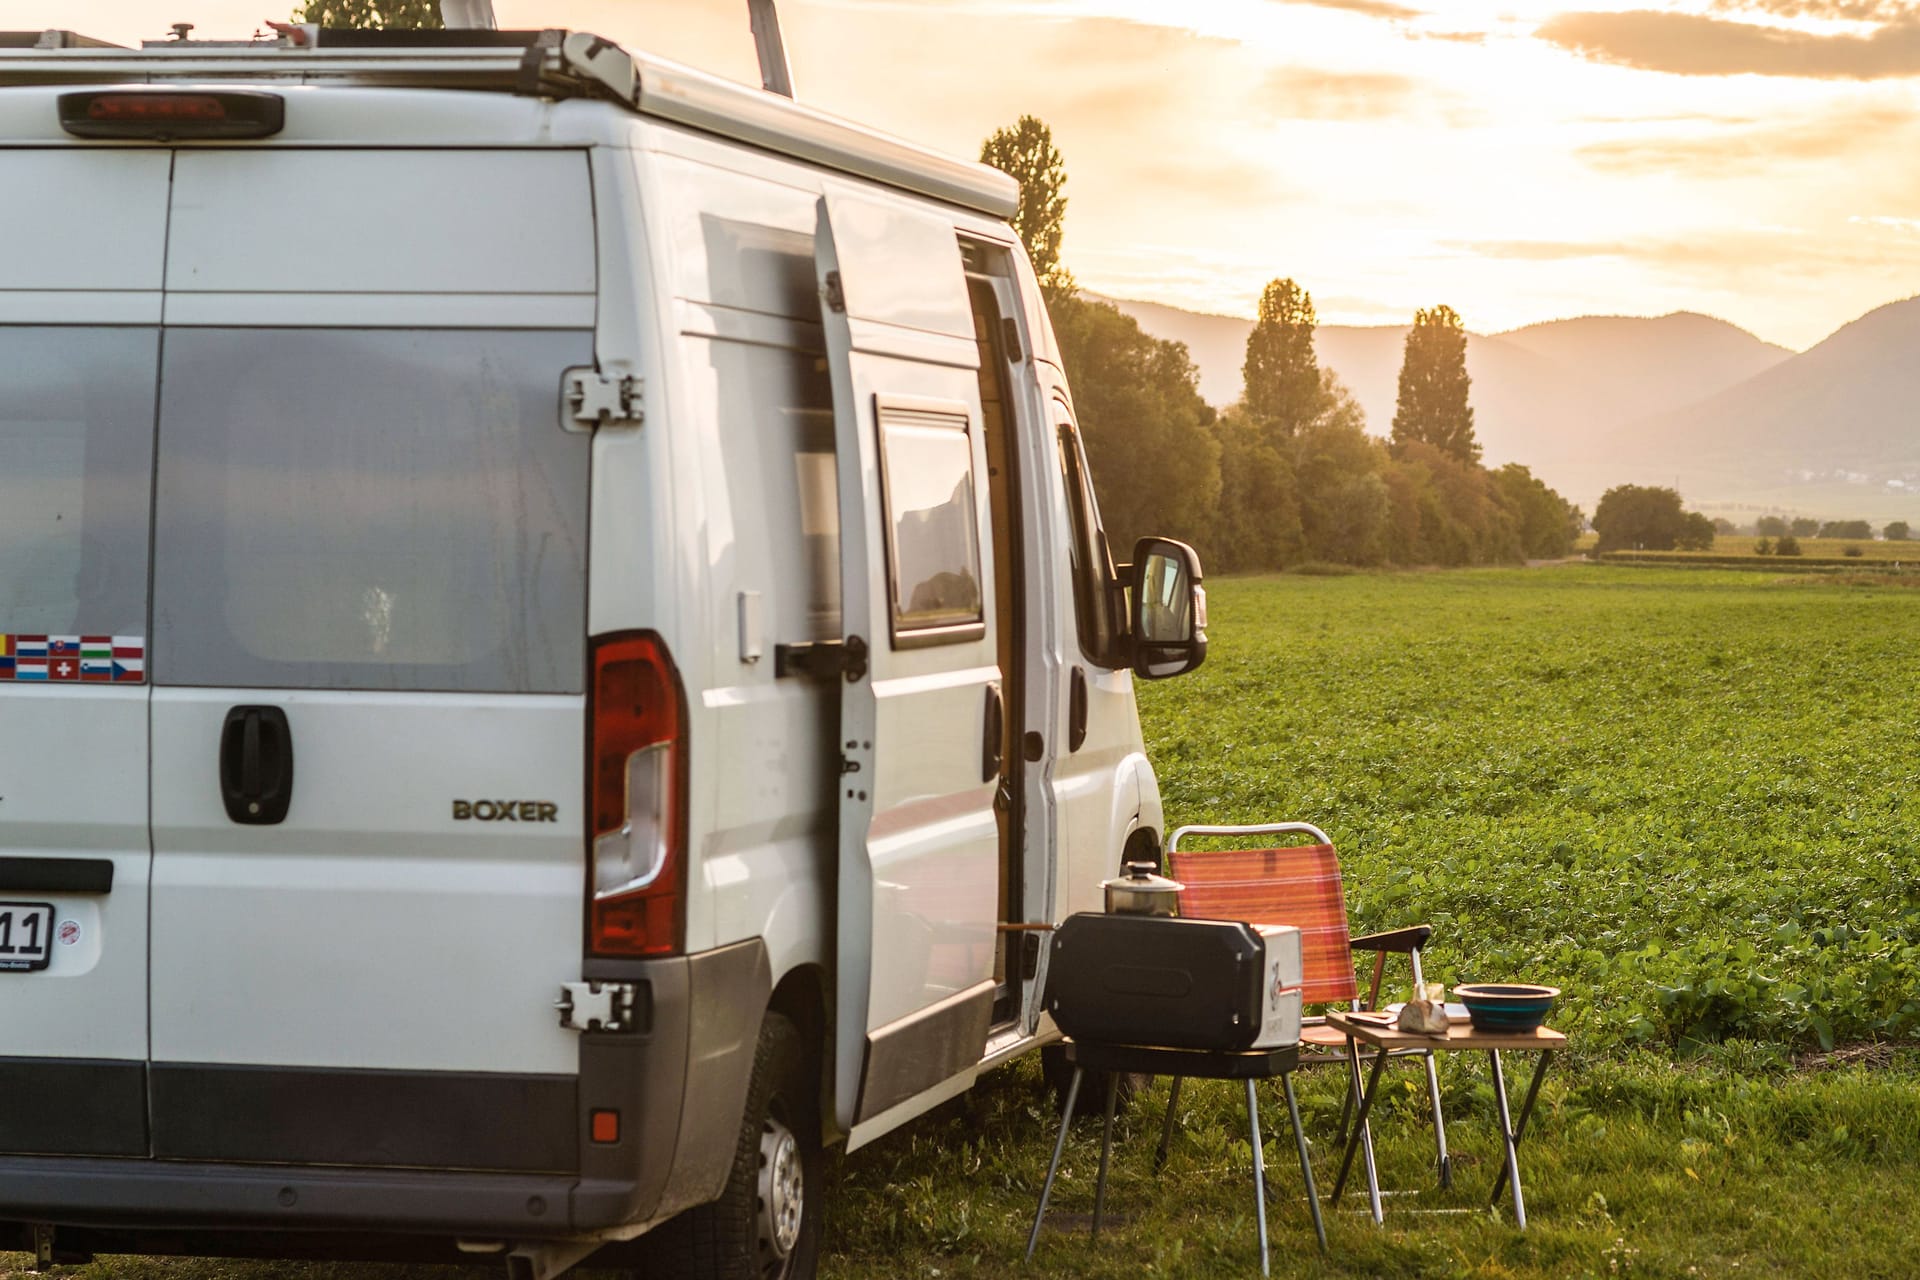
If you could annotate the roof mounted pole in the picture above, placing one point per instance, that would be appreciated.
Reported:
(775, 75)
(468, 15)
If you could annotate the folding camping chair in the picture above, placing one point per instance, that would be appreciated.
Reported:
(1299, 885)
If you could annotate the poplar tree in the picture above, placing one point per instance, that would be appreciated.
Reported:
(1283, 390)
(1027, 154)
(1433, 406)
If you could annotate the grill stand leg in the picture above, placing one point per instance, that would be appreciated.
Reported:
(1106, 1149)
(1166, 1126)
(1259, 1173)
(1306, 1163)
(1059, 1145)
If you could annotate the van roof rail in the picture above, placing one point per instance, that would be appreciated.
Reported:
(52, 38)
(552, 63)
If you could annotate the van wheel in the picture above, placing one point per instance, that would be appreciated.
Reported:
(766, 1224)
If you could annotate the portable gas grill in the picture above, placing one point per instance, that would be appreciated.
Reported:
(1159, 995)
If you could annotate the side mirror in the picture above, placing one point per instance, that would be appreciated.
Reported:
(1169, 609)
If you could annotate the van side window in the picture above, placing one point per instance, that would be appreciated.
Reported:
(76, 443)
(933, 534)
(1093, 572)
(370, 509)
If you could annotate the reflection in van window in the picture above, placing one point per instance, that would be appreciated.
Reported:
(932, 531)
(76, 444)
(345, 509)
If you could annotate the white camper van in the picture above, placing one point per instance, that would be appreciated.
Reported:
(557, 643)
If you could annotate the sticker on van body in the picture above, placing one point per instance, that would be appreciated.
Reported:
(74, 659)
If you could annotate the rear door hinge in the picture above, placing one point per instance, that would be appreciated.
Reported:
(596, 1006)
(596, 399)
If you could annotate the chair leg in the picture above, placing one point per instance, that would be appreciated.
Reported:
(1439, 1123)
(1053, 1167)
(1166, 1126)
(1259, 1174)
(1306, 1163)
(1106, 1149)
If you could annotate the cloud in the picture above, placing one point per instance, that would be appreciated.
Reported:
(1758, 253)
(1736, 148)
(1306, 93)
(1695, 45)
(1370, 8)
(1850, 10)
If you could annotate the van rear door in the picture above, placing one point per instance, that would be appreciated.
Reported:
(921, 709)
(368, 657)
(81, 244)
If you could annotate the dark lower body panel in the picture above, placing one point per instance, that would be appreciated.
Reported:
(302, 1161)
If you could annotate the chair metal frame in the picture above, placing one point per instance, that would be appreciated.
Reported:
(1408, 941)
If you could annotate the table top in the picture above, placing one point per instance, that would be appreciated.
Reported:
(1460, 1035)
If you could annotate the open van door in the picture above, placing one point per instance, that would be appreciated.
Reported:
(921, 707)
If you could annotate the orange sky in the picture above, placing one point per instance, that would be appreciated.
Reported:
(1520, 160)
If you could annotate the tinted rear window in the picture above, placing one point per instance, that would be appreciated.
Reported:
(76, 443)
(370, 510)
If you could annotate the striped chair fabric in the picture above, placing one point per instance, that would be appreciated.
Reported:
(1299, 886)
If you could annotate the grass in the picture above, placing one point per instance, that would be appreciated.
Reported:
(1689, 800)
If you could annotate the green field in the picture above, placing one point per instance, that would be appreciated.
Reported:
(1691, 800)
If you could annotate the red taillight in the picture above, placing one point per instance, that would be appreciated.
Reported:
(635, 783)
(164, 114)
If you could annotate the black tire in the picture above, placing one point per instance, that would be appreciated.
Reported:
(755, 1231)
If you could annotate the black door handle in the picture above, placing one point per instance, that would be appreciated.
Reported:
(1077, 710)
(993, 751)
(256, 765)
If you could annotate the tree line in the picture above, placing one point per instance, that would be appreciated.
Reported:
(1289, 474)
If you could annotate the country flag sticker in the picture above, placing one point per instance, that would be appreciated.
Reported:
(97, 659)
(129, 658)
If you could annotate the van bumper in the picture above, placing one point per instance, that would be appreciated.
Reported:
(678, 1083)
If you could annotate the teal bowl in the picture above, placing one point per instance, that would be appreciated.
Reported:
(1506, 1006)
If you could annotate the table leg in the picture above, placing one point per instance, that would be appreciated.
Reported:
(1439, 1124)
(1507, 1135)
(1526, 1111)
(1355, 1139)
(1059, 1145)
(1306, 1164)
(1259, 1173)
(1166, 1126)
(1366, 1134)
(1106, 1148)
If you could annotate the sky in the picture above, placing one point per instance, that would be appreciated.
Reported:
(1518, 160)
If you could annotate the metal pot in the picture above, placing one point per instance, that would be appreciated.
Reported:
(1138, 891)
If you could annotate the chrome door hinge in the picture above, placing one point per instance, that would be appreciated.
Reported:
(597, 1006)
(596, 399)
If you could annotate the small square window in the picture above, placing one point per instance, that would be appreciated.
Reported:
(933, 532)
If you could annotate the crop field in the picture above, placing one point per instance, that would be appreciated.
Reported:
(1690, 800)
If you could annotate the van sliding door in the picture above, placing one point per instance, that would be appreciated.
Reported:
(921, 699)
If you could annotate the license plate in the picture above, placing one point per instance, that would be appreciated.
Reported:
(26, 936)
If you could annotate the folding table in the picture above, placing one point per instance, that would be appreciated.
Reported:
(1460, 1035)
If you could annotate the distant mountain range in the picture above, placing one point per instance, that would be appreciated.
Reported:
(1742, 426)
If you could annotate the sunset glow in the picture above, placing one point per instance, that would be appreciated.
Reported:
(1520, 160)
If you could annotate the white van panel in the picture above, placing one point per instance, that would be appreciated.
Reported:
(74, 760)
(384, 310)
(283, 221)
(79, 220)
(370, 929)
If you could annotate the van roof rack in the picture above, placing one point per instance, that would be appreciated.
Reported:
(552, 63)
(52, 38)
